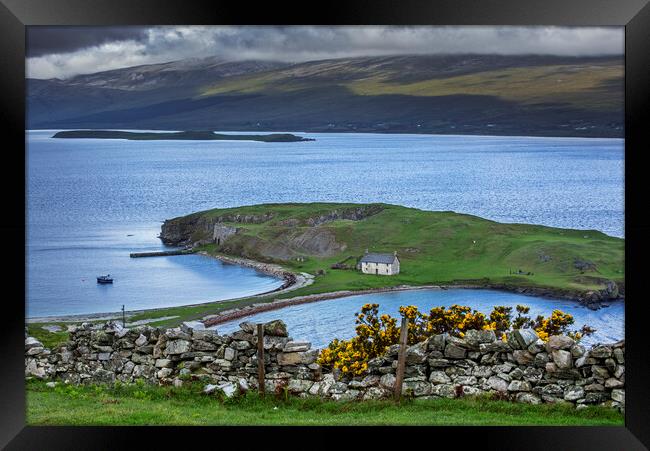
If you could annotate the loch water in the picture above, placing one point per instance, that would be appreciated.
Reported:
(91, 202)
(321, 322)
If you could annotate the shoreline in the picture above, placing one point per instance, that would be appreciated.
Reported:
(248, 310)
(295, 281)
(292, 281)
(229, 315)
(232, 314)
(237, 312)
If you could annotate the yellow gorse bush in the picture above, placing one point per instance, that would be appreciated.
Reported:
(376, 333)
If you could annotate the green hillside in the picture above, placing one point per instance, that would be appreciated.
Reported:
(577, 84)
(433, 247)
(529, 95)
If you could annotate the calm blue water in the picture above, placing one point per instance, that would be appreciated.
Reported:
(321, 322)
(86, 196)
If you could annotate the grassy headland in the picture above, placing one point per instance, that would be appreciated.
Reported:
(187, 135)
(152, 405)
(443, 248)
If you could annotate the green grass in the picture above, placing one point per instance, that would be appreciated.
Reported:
(190, 312)
(434, 248)
(49, 339)
(151, 405)
(580, 85)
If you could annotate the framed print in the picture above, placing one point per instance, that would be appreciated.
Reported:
(417, 215)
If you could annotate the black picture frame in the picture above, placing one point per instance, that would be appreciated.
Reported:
(15, 15)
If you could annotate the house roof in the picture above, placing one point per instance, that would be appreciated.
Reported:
(378, 258)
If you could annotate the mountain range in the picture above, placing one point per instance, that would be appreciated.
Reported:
(447, 94)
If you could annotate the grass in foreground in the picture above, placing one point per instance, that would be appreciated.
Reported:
(140, 404)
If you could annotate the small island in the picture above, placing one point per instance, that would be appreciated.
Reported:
(185, 136)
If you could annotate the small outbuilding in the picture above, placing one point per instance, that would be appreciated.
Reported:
(383, 264)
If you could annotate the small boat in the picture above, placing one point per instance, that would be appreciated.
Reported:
(105, 279)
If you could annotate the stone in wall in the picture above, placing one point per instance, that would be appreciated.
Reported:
(523, 368)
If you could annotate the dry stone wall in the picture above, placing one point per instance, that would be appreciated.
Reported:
(523, 368)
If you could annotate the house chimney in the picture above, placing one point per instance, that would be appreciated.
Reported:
(366, 250)
(395, 253)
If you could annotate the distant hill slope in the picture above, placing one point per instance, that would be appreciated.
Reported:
(460, 94)
(434, 247)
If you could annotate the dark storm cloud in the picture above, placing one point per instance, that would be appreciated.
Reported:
(64, 52)
(51, 40)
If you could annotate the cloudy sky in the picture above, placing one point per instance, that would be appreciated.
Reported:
(67, 51)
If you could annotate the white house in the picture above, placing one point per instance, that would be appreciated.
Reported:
(384, 264)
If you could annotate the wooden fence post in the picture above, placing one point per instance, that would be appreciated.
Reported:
(401, 357)
(260, 358)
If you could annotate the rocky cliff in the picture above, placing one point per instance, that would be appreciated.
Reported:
(295, 235)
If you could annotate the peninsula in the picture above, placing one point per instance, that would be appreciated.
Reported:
(186, 135)
(434, 248)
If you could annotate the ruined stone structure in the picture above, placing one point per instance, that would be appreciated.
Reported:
(222, 232)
